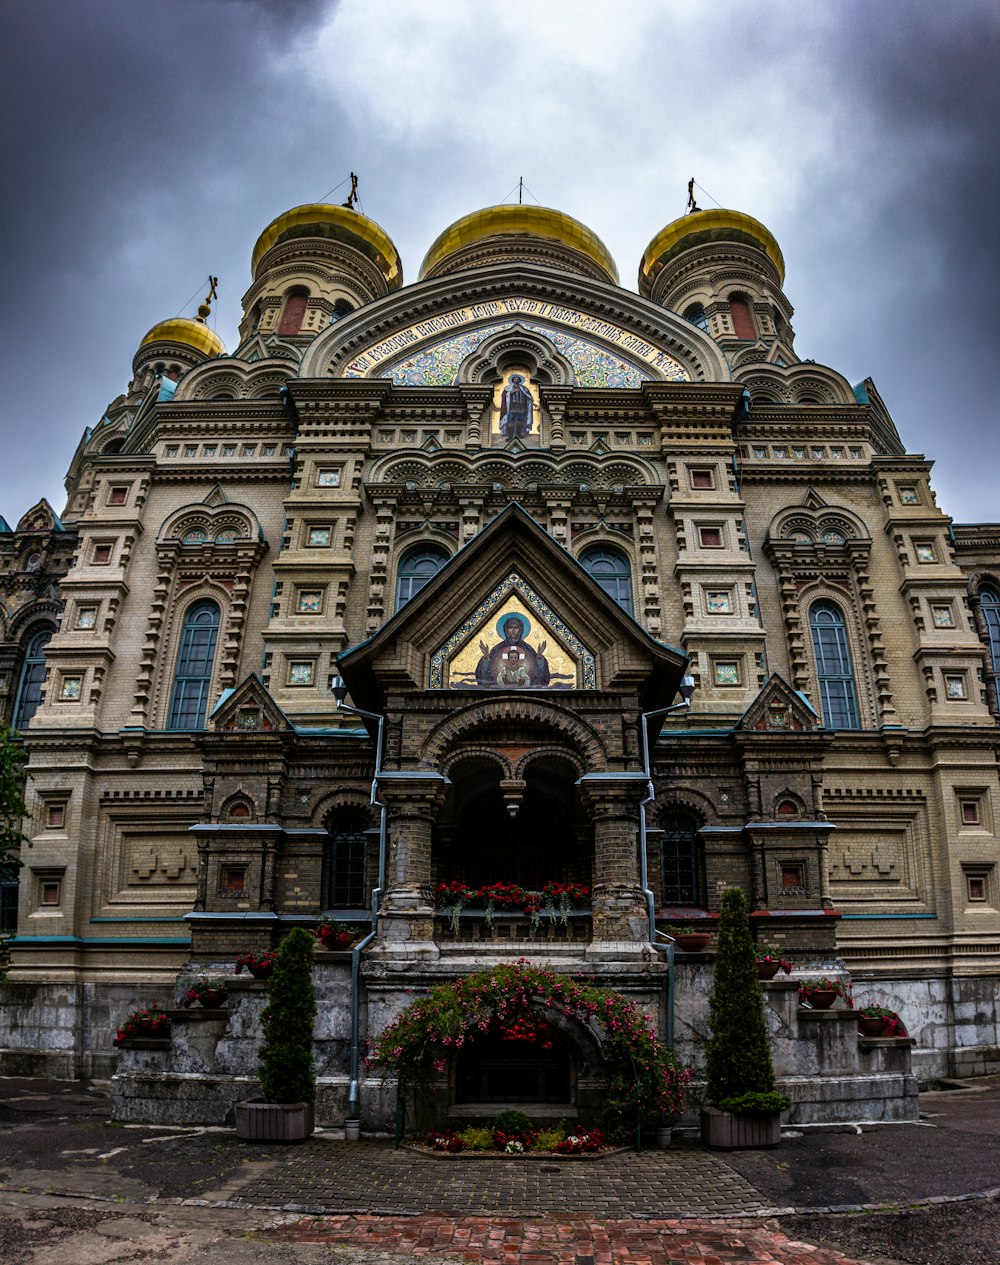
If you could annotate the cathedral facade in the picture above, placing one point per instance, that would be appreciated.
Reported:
(503, 513)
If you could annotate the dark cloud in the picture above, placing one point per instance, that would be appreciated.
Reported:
(147, 144)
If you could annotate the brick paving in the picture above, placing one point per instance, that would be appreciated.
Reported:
(562, 1241)
(372, 1177)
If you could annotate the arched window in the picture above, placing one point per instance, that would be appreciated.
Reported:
(989, 606)
(415, 569)
(29, 690)
(679, 868)
(348, 869)
(697, 315)
(838, 697)
(341, 309)
(294, 311)
(739, 312)
(194, 667)
(610, 569)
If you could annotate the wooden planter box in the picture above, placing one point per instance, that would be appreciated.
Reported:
(259, 1121)
(726, 1131)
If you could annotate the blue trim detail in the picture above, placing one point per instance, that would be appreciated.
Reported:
(106, 942)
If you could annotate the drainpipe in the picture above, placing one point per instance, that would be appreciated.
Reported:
(687, 688)
(339, 689)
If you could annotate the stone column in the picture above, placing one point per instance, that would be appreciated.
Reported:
(621, 921)
(406, 916)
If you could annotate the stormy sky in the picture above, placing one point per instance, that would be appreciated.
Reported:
(146, 143)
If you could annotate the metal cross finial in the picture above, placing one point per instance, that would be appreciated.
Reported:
(352, 197)
(691, 204)
(213, 293)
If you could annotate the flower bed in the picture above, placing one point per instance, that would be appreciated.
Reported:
(554, 901)
(522, 1140)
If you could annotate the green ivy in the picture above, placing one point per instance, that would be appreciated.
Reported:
(13, 759)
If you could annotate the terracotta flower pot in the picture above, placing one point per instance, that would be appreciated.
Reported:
(696, 942)
(212, 998)
(822, 998)
(339, 940)
(260, 972)
(872, 1025)
(768, 970)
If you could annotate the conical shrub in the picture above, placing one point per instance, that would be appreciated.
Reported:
(740, 1075)
(286, 1055)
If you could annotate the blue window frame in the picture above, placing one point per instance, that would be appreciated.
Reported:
(348, 864)
(416, 568)
(194, 667)
(612, 572)
(29, 690)
(679, 883)
(989, 606)
(697, 315)
(838, 696)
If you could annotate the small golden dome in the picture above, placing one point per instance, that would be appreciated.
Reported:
(321, 219)
(706, 226)
(182, 329)
(517, 220)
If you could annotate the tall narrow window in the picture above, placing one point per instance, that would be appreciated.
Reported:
(611, 570)
(838, 697)
(415, 569)
(8, 897)
(194, 667)
(29, 690)
(293, 313)
(739, 311)
(679, 861)
(989, 605)
(348, 884)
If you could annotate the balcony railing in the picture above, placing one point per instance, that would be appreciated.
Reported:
(475, 928)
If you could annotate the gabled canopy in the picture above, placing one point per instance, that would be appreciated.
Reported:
(512, 559)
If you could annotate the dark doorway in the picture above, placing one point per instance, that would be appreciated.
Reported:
(480, 842)
(494, 1070)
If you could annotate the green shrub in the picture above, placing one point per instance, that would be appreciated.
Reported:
(738, 1053)
(286, 1055)
(512, 1122)
(549, 1139)
(476, 1139)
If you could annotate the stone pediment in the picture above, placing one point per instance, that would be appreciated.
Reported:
(779, 709)
(248, 708)
(512, 611)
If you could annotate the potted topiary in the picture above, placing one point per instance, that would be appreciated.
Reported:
(285, 1111)
(744, 1108)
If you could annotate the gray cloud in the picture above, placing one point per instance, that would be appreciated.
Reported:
(152, 142)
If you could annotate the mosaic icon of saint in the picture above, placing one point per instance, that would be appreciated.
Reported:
(512, 664)
(517, 408)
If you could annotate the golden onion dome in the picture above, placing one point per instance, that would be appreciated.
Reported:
(699, 227)
(190, 333)
(516, 220)
(321, 219)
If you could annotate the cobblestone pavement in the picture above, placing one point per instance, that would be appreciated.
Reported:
(369, 1177)
(564, 1240)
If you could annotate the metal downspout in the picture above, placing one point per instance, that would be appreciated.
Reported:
(353, 1093)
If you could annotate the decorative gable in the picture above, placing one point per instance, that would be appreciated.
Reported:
(248, 708)
(780, 709)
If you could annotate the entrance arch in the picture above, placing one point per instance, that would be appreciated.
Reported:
(533, 834)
